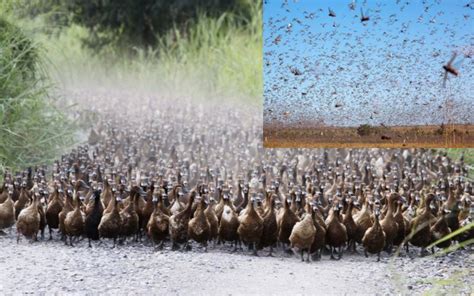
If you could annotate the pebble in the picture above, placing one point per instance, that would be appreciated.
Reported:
(161, 274)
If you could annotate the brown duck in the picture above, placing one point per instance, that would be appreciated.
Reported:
(302, 235)
(28, 222)
(320, 236)
(374, 238)
(287, 219)
(270, 227)
(74, 222)
(336, 233)
(179, 223)
(199, 228)
(251, 227)
(389, 225)
(228, 223)
(7, 211)
(55, 206)
(111, 222)
(421, 226)
(158, 224)
(440, 229)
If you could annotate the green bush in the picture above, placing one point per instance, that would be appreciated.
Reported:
(32, 129)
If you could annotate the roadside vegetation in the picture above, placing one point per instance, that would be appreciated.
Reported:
(210, 49)
(32, 131)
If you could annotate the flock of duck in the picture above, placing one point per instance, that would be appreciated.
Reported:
(139, 180)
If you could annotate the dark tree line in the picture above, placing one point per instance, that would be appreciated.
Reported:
(138, 22)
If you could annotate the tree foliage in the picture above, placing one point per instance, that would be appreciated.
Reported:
(136, 22)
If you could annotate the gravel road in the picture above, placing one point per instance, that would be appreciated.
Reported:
(51, 267)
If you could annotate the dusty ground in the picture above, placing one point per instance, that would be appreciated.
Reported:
(51, 267)
(288, 136)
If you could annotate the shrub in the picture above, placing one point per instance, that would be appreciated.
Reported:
(364, 130)
(32, 129)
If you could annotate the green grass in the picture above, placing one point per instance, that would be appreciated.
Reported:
(32, 130)
(215, 59)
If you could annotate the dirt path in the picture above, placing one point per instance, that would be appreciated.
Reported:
(50, 267)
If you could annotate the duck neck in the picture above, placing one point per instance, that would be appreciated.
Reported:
(114, 204)
(376, 222)
(97, 202)
(268, 200)
(69, 201)
(399, 209)
(390, 206)
(427, 204)
(77, 206)
(200, 207)
(350, 205)
(131, 205)
(34, 204)
(190, 203)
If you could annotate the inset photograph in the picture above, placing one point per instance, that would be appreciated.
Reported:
(368, 74)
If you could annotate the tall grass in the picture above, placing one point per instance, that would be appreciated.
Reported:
(212, 59)
(32, 130)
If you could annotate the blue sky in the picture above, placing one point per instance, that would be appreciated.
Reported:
(387, 70)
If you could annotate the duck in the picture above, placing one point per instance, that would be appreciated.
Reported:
(219, 208)
(7, 211)
(68, 206)
(4, 192)
(452, 204)
(440, 229)
(350, 224)
(302, 234)
(320, 236)
(176, 206)
(286, 222)
(93, 218)
(245, 200)
(140, 204)
(199, 228)
(270, 226)
(107, 195)
(212, 219)
(178, 226)
(158, 224)
(74, 222)
(23, 200)
(402, 224)
(420, 226)
(54, 207)
(251, 227)
(228, 223)
(465, 206)
(149, 205)
(363, 221)
(336, 233)
(28, 222)
(388, 223)
(373, 240)
(111, 222)
(162, 205)
(129, 216)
